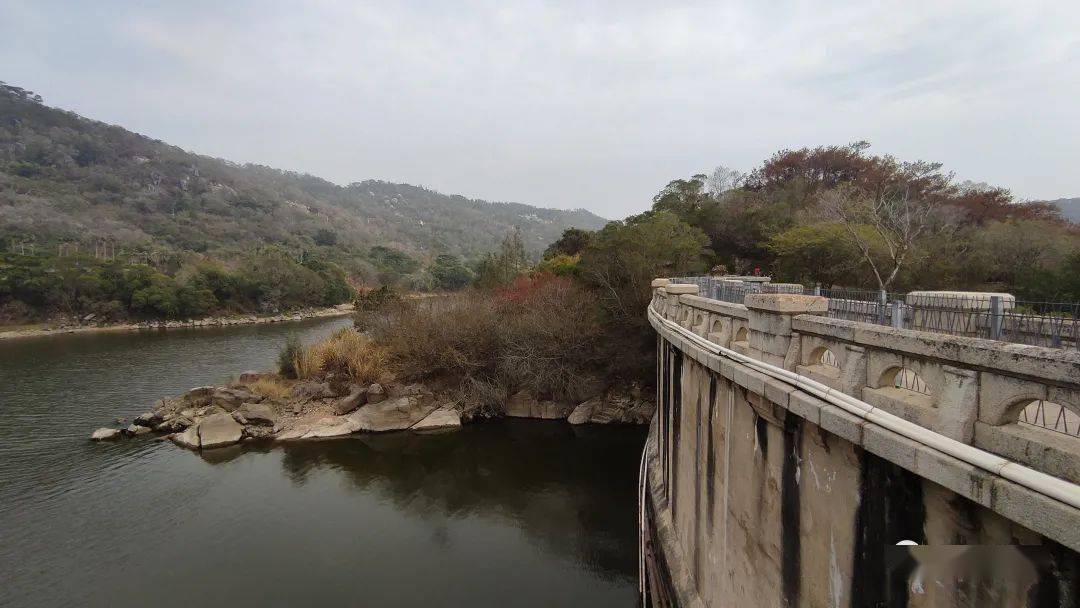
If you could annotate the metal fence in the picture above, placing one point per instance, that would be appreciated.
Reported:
(996, 317)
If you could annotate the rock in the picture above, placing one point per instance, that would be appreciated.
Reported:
(250, 376)
(313, 390)
(520, 405)
(295, 432)
(257, 413)
(376, 393)
(132, 430)
(392, 415)
(218, 430)
(149, 419)
(228, 399)
(198, 397)
(354, 400)
(442, 419)
(174, 424)
(188, 439)
(332, 426)
(209, 410)
(523, 405)
(105, 434)
(581, 413)
(612, 410)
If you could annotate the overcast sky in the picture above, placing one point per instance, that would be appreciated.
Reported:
(568, 104)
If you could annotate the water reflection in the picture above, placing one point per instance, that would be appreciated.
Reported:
(500, 513)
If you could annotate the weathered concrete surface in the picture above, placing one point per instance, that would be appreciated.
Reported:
(764, 495)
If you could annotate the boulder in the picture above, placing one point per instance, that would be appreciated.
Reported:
(228, 399)
(149, 419)
(218, 430)
(442, 419)
(355, 399)
(581, 413)
(188, 439)
(174, 424)
(257, 413)
(376, 393)
(520, 405)
(132, 430)
(612, 410)
(104, 434)
(331, 426)
(198, 397)
(523, 405)
(391, 415)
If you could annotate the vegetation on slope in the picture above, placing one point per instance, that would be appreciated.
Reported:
(83, 195)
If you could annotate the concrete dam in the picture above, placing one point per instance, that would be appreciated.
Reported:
(801, 460)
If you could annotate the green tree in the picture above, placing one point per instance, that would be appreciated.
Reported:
(448, 273)
(572, 242)
(816, 253)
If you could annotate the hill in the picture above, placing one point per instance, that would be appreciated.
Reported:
(66, 179)
(1070, 208)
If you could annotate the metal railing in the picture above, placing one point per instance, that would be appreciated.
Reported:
(995, 317)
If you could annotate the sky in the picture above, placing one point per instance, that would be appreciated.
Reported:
(568, 104)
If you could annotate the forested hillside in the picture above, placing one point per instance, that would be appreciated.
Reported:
(75, 189)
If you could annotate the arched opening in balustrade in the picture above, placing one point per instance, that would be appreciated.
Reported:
(698, 320)
(742, 335)
(905, 379)
(1051, 416)
(824, 356)
(717, 326)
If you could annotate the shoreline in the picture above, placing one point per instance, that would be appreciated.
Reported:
(227, 321)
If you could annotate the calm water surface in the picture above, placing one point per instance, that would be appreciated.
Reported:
(509, 513)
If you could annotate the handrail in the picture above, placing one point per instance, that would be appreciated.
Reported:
(1059, 489)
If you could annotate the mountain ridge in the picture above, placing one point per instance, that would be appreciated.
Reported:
(69, 179)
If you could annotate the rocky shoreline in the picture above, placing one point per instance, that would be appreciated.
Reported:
(262, 406)
(86, 326)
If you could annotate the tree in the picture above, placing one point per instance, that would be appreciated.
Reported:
(572, 242)
(724, 179)
(816, 253)
(448, 273)
(899, 212)
(618, 267)
(501, 268)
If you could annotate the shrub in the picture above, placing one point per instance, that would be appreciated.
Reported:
(536, 333)
(288, 355)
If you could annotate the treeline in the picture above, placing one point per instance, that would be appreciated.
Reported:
(35, 286)
(834, 216)
(840, 216)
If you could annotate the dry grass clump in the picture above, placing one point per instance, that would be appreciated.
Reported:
(346, 352)
(271, 387)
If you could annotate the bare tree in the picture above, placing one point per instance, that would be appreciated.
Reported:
(894, 217)
(723, 179)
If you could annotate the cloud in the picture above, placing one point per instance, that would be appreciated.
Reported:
(568, 104)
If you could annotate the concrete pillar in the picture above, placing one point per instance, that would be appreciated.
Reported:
(770, 324)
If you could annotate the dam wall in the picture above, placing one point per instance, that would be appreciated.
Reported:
(791, 454)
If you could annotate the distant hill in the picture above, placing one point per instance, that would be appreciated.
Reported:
(1070, 208)
(69, 179)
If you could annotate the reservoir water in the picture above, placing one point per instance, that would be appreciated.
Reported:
(504, 513)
